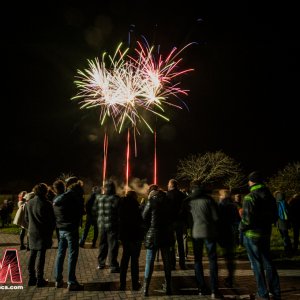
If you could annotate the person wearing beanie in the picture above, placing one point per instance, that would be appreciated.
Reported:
(256, 176)
(259, 213)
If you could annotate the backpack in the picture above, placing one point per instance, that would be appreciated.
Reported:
(282, 211)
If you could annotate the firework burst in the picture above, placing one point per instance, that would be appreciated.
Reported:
(127, 85)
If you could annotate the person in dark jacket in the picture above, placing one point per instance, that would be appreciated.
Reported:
(91, 220)
(259, 213)
(131, 236)
(237, 201)
(41, 223)
(201, 212)
(59, 187)
(228, 218)
(176, 198)
(283, 222)
(107, 211)
(69, 209)
(159, 235)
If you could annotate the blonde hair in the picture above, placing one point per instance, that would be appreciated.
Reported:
(225, 193)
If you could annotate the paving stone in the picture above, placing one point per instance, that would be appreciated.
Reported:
(101, 284)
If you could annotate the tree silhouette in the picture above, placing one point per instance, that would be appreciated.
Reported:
(215, 168)
(287, 179)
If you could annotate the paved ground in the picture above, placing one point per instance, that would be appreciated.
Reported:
(100, 284)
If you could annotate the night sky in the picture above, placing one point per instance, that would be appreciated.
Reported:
(242, 100)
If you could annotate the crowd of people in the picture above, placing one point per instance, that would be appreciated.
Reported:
(160, 223)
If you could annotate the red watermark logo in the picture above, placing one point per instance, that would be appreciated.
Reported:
(10, 266)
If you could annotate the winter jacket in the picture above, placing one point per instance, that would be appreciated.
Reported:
(259, 212)
(201, 212)
(157, 215)
(176, 198)
(131, 221)
(107, 211)
(69, 208)
(41, 223)
(228, 218)
(283, 222)
(19, 218)
(89, 207)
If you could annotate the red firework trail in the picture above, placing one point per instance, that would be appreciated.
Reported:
(127, 160)
(105, 148)
(155, 161)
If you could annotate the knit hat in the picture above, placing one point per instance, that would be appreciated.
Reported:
(256, 177)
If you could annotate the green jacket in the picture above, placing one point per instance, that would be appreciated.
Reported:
(259, 212)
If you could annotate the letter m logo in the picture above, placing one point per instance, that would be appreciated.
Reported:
(10, 266)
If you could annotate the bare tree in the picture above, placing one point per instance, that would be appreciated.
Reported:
(211, 168)
(236, 181)
(287, 179)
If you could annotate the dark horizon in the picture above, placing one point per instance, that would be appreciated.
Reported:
(242, 99)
